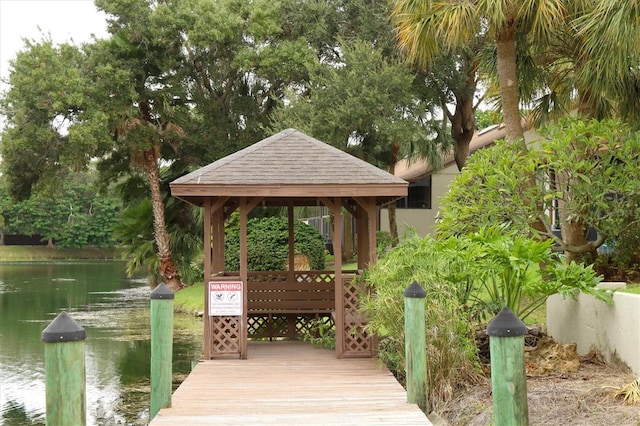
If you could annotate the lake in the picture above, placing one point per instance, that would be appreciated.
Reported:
(114, 311)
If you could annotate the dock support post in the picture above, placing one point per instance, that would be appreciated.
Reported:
(161, 348)
(415, 345)
(65, 373)
(508, 380)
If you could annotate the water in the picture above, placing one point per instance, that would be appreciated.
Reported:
(113, 310)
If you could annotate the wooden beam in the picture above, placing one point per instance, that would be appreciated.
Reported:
(371, 232)
(244, 275)
(291, 240)
(328, 202)
(349, 207)
(368, 204)
(230, 207)
(363, 237)
(335, 206)
(218, 262)
(208, 259)
(218, 204)
(253, 203)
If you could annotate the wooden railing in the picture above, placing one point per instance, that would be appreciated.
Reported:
(290, 304)
(287, 303)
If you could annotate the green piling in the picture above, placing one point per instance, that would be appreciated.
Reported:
(508, 380)
(415, 345)
(161, 348)
(65, 374)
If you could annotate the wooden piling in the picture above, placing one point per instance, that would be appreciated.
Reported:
(508, 380)
(161, 348)
(415, 345)
(65, 373)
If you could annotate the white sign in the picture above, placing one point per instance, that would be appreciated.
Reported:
(225, 298)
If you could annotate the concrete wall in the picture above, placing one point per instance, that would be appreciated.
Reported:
(613, 330)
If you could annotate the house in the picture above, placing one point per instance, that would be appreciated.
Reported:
(420, 208)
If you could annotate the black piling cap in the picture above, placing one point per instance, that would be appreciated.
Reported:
(415, 291)
(63, 329)
(162, 292)
(506, 324)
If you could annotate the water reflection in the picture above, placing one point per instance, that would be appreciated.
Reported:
(115, 314)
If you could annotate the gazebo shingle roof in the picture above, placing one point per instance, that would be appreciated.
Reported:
(289, 164)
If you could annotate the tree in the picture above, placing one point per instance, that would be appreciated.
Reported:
(426, 29)
(45, 96)
(74, 217)
(609, 32)
(583, 184)
(366, 106)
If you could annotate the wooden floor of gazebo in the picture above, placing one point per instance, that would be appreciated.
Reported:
(287, 383)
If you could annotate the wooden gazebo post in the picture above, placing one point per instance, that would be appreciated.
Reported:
(335, 206)
(244, 275)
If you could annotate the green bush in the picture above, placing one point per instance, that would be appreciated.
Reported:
(468, 279)
(585, 171)
(451, 351)
(267, 245)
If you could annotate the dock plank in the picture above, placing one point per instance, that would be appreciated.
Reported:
(289, 383)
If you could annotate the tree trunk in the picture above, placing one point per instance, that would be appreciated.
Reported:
(463, 121)
(574, 234)
(463, 126)
(50, 244)
(508, 77)
(393, 222)
(168, 269)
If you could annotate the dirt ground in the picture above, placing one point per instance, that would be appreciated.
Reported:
(562, 389)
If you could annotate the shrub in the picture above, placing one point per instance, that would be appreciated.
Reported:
(468, 279)
(585, 179)
(267, 244)
(450, 345)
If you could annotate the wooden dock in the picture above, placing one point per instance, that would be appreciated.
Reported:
(290, 383)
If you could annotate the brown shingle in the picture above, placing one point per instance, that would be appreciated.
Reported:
(289, 158)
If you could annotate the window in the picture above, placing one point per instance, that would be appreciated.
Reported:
(419, 196)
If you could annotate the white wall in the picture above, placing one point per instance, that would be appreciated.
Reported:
(423, 220)
(613, 330)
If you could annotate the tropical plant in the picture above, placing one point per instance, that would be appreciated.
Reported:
(320, 334)
(520, 273)
(583, 184)
(468, 279)
(451, 351)
(426, 29)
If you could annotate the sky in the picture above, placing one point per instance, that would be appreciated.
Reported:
(63, 20)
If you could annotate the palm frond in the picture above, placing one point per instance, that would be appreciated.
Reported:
(630, 393)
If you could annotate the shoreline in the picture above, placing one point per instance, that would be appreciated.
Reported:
(43, 253)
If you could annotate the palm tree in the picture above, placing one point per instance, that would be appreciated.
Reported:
(143, 135)
(426, 29)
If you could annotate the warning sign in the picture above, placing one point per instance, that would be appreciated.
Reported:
(225, 298)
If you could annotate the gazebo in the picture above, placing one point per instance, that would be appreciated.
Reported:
(287, 169)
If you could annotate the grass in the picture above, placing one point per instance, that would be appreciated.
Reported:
(42, 253)
(190, 299)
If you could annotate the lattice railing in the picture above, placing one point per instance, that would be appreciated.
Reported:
(290, 326)
(225, 335)
(285, 304)
(357, 341)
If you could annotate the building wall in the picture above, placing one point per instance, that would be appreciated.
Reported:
(422, 220)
